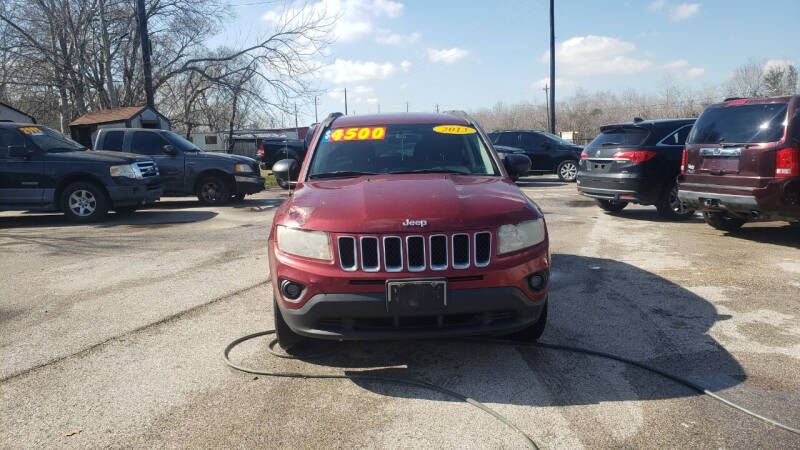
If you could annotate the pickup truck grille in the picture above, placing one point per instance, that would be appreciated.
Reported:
(414, 253)
(147, 168)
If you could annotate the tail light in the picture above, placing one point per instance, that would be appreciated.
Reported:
(787, 163)
(584, 155)
(683, 162)
(261, 150)
(635, 156)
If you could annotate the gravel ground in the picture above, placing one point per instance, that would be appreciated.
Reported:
(112, 335)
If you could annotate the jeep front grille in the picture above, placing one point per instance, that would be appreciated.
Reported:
(414, 253)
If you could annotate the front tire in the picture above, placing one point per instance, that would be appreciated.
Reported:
(723, 221)
(84, 202)
(213, 190)
(567, 170)
(669, 206)
(285, 336)
(533, 332)
(611, 205)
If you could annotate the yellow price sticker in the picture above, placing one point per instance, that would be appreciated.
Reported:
(31, 130)
(454, 129)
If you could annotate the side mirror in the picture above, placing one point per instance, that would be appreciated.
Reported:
(517, 165)
(19, 151)
(170, 150)
(286, 169)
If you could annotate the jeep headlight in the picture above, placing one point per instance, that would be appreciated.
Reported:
(511, 238)
(244, 168)
(125, 170)
(309, 244)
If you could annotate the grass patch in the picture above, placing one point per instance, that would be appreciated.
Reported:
(269, 178)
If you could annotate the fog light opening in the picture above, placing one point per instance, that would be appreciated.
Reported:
(291, 290)
(537, 281)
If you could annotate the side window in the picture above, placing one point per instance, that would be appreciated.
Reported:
(677, 137)
(531, 140)
(509, 139)
(148, 143)
(113, 141)
(9, 137)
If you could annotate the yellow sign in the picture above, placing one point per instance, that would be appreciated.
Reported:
(31, 130)
(453, 129)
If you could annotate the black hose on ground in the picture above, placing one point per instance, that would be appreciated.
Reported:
(430, 386)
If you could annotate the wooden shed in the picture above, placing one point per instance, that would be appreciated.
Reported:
(84, 128)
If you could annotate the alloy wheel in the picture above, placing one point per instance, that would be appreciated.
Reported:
(678, 207)
(82, 203)
(569, 171)
(210, 192)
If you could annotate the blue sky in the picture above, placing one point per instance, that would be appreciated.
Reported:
(472, 54)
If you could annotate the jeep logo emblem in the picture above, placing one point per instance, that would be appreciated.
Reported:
(415, 223)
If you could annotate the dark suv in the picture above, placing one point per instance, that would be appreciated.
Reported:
(41, 170)
(742, 162)
(185, 169)
(636, 162)
(548, 153)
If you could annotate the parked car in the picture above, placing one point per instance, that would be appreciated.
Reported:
(185, 169)
(42, 170)
(406, 225)
(741, 162)
(636, 162)
(548, 153)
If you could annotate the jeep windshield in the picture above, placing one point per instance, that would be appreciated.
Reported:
(395, 149)
(740, 124)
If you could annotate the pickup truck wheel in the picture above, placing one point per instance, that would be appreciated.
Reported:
(534, 331)
(213, 190)
(84, 202)
(238, 197)
(567, 170)
(669, 206)
(723, 221)
(285, 336)
(611, 205)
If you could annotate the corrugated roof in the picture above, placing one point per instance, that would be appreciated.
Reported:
(108, 115)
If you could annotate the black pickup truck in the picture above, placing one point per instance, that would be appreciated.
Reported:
(41, 170)
(215, 178)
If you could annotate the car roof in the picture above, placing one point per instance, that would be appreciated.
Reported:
(737, 101)
(653, 122)
(397, 119)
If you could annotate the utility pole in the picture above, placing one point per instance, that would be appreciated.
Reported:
(316, 119)
(552, 70)
(345, 101)
(406, 106)
(547, 104)
(437, 108)
(148, 76)
(295, 118)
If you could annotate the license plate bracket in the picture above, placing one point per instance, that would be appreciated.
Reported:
(428, 295)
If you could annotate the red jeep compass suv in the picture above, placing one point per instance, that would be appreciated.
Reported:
(406, 225)
(741, 162)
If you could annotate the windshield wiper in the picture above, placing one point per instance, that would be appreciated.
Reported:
(609, 144)
(340, 174)
(459, 172)
(731, 144)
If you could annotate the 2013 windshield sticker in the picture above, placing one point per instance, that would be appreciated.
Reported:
(34, 131)
(454, 129)
(355, 134)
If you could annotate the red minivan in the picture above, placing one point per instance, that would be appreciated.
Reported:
(741, 162)
(406, 226)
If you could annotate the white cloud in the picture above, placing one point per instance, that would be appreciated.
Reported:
(372, 100)
(405, 66)
(684, 11)
(388, 38)
(447, 55)
(354, 18)
(657, 5)
(347, 71)
(560, 83)
(362, 90)
(777, 64)
(695, 72)
(597, 55)
(679, 64)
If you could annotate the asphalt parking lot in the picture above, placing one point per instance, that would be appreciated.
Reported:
(112, 335)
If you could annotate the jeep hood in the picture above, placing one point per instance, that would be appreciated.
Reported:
(98, 156)
(381, 203)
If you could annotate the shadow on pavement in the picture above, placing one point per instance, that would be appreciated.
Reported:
(648, 214)
(595, 303)
(786, 235)
(140, 218)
